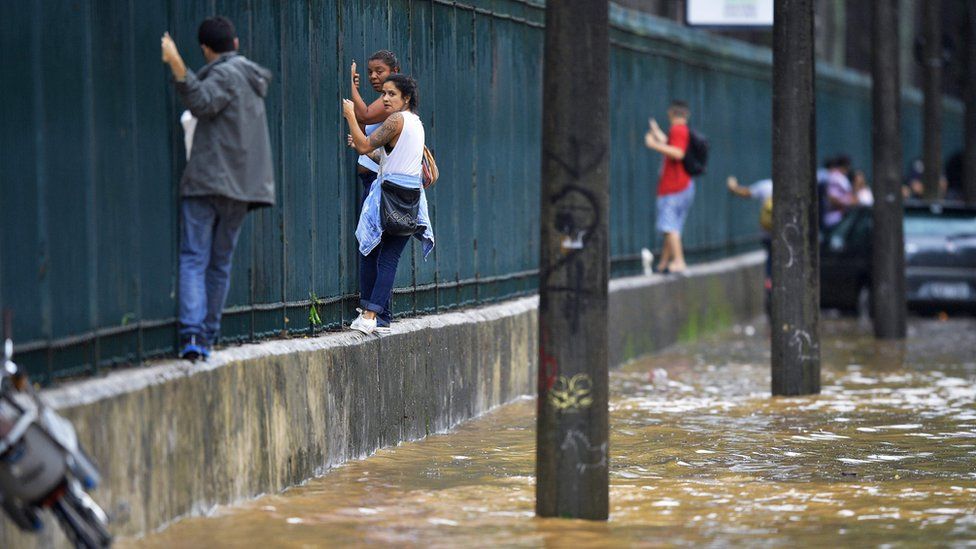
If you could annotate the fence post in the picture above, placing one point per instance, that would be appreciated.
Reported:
(571, 453)
(969, 158)
(888, 250)
(795, 329)
(932, 87)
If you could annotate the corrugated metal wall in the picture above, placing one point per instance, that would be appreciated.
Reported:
(92, 153)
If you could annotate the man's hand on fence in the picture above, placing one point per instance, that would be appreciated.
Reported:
(171, 56)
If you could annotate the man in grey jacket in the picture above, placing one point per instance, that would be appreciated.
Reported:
(229, 172)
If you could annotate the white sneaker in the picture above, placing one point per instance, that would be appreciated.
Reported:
(382, 329)
(647, 261)
(363, 324)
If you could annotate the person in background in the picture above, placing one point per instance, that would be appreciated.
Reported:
(675, 190)
(862, 191)
(398, 147)
(762, 192)
(229, 172)
(913, 186)
(379, 66)
(839, 193)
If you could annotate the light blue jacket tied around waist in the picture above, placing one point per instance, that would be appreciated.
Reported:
(370, 229)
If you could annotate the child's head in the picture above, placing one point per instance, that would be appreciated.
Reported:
(678, 111)
(218, 35)
(381, 65)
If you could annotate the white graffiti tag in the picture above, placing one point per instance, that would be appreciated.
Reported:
(590, 456)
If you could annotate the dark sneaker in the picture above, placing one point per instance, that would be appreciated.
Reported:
(194, 350)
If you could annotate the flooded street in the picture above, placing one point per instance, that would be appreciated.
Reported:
(700, 455)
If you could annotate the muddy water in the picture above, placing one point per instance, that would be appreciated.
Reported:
(700, 455)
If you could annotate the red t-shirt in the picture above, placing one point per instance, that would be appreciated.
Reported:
(674, 178)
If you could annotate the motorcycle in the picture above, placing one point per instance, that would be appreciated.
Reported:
(42, 464)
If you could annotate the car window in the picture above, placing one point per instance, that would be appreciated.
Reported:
(852, 231)
(945, 225)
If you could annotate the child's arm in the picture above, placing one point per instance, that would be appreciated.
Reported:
(737, 189)
(670, 151)
(655, 140)
(657, 131)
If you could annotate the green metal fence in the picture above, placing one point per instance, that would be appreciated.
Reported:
(92, 153)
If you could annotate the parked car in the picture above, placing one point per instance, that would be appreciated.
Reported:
(940, 259)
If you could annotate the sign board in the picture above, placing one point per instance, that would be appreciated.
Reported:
(729, 13)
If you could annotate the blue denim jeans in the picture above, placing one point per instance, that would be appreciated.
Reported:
(210, 227)
(376, 273)
(365, 182)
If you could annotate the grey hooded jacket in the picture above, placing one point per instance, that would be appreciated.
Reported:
(231, 154)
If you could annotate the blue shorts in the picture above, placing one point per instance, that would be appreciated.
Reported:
(672, 209)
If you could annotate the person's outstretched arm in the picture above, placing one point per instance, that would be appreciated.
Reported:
(676, 153)
(733, 184)
(382, 135)
(373, 113)
(655, 140)
(171, 56)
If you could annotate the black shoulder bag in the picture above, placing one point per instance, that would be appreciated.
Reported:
(399, 209)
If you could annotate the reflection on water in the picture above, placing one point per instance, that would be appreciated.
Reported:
(700, 454)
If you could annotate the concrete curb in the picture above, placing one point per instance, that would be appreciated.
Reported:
(175, 439)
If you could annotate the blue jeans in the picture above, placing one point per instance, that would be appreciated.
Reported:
(365, 181)
(376, 273)
(210, 227)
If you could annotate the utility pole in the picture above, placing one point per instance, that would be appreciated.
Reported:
(795, 330)
(969, 156)
(932, 148)
(888, 250)
(572, 472)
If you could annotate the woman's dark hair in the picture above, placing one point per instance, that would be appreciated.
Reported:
(842, 161)
(217, 33)
(408, 88)
(388, 58)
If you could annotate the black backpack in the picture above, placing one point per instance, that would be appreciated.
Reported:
(696, 156)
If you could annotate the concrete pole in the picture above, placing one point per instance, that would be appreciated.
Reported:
(574, 267)
(932, 87)
(888, 277)
(969, 157)
(795, 330)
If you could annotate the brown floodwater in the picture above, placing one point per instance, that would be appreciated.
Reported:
(700, 455)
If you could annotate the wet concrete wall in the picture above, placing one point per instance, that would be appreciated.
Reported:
(175, 440)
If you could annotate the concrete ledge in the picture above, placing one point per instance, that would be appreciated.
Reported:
(176, 439)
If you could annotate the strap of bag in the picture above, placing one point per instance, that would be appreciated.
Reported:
(429, 168)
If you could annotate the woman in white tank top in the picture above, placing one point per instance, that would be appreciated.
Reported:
(398, 147)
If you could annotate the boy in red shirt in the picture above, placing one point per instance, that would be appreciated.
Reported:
(675, 189)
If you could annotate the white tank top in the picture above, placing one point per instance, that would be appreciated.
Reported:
(364, 160)
(409, 151)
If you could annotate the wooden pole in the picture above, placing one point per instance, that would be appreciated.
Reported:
(571, 455)
(795, 330)
(888, 250)
(932, 87)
